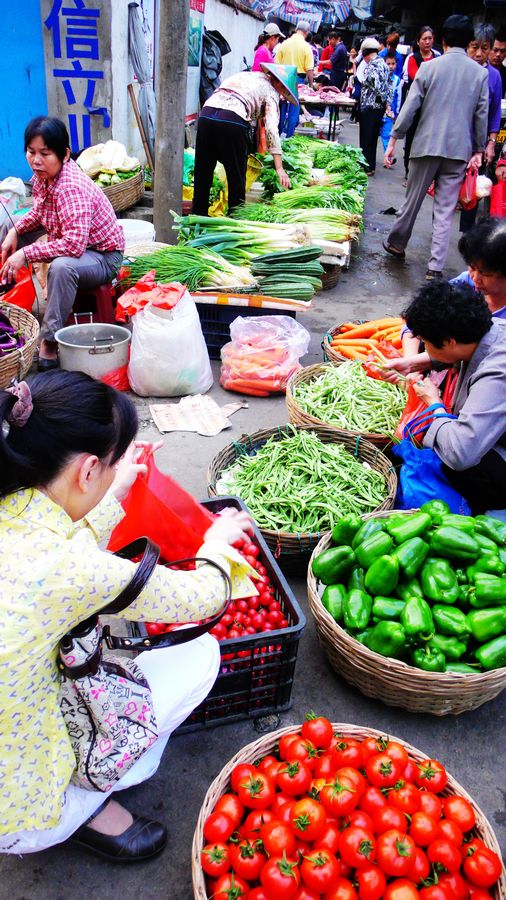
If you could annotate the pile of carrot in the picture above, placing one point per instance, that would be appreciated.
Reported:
(255, 371)
(358, 341)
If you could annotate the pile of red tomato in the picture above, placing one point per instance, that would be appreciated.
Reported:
(332, 817)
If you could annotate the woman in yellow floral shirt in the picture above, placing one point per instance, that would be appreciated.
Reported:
(66, 457)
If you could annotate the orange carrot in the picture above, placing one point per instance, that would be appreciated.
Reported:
(365, 330)
(364, 342)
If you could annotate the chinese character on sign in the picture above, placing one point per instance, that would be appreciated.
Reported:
(75, 37)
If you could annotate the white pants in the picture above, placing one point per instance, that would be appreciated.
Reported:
(179, 678)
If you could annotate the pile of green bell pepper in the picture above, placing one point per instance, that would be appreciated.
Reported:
(428, 588)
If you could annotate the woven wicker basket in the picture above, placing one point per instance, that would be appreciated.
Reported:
(299, 416)
(329, 354)
(294, 546)
(17, 363)
(394, 682)
(265, 745)
(126, 194)
(330, 276)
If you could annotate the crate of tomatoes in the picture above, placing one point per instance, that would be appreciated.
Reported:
(259, 638)
(339, 812)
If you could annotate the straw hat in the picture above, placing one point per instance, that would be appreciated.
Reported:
(287, 75)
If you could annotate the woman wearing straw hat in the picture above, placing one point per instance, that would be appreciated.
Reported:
(224, 128)
(265, 46)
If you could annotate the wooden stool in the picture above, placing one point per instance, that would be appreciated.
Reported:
(98, 301)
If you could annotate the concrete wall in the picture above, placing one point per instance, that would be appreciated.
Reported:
(240, 30)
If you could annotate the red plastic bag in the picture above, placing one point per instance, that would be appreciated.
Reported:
(415, 406)
(498, 200)
(467, 195)
(23, 293)
(372, 366)
(157, 507)
(145, 291)
(118, 378)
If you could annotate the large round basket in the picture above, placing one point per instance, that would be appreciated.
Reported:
(299, 416)
(126, 194)
(395, 682)
(17, 363)
(296, 547)
(329, 354)
(330, 276)
(264, 745)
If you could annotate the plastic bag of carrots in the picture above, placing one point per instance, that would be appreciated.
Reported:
(360, 341)
(263, 354)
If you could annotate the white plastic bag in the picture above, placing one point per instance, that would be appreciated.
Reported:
(168, 356)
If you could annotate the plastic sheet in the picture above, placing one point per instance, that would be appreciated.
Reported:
(263, 354)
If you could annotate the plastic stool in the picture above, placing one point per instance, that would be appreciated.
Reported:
(98, 301)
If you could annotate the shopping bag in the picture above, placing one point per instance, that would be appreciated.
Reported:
(498, 200)
(421, 478)
(23, 293)
(263, 354)
(467, 195)
(159, 508)
(414, 422)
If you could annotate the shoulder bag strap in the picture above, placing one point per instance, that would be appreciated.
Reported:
(143, 571)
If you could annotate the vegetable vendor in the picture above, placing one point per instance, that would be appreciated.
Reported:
(457, 329)
(85, 243)
(67, 455)
(223, 131)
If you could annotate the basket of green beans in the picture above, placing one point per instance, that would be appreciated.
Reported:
(297, 481)
(342, 397)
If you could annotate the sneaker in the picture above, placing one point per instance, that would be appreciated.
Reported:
(433, 275)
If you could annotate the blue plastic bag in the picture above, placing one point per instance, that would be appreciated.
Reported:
(422, 478)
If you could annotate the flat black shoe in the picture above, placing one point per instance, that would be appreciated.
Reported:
(44, 365)
(394, 251)
(433, 275)
(141, 840)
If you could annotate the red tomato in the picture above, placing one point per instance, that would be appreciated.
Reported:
(371, 800)
(398, 753)
(284, 813)
(371, 883)
(219, 631)
(451, 831)
(477, 893)
(445, 853)
(247, 860)
(274, 769)
(342, 890)
(431, 775)
(482, 868)
(280, 877)
(305, 894)
(382, 771)
(423, 829)
(256, 893)
(329, 838)
(347, 752)
(218, 827)
(460, 811)
(155, 627)
(231, 805)
(251, 549)
(240, 773)
(230, 885)
(470, 846)
(257, 791)
(340, 795)
(435, 892)
(404, 796)
(411, 771)
(372, 746)
(357, 817)
(215, 859)
(300, 750)
(401, 889)
(395, 852)
(294, 779)
(357, 846)
(285, 741)
(431, 804)
(254, 821)
(308, 819)
(420, 869)
(320, 870)
(355, 777)
(277, 838)
(387, 818)
(279, 801)
(325, 766)
(455, 885)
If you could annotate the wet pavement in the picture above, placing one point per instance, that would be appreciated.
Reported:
(471, 745)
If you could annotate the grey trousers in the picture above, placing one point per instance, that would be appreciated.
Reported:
(448, 175)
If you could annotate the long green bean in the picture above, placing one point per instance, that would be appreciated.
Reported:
(345, 396)
(299, 484)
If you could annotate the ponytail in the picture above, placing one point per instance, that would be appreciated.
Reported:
(262, 38)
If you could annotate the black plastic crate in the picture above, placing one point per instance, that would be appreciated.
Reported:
(256, 672)
(216, 319)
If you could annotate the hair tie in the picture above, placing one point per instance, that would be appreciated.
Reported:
(23, 407)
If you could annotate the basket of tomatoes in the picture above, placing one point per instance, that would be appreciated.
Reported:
(329, 811)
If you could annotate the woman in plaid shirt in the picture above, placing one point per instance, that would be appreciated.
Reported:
(85, 243)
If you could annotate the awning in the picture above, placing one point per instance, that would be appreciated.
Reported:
(362, 9)
(316, 12)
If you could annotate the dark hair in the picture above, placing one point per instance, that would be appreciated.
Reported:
(72, 413)
(486, 243)
(443, 311)
(333, 34)
(393, 39)
(262, 38)
(391, 55)
(501, 34)
(458, 31)
(52, 131)
(423, 30)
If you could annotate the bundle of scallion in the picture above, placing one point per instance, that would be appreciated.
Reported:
(320, 196)
(236, 240)
(194, 268)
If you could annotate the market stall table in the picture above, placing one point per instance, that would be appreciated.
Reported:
(334, 107)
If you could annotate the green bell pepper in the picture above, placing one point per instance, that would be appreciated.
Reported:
(416, 618)
(454, 543)
(451, 647)
(334, 563)
(464, 594)
(411, 555)
(439, 582)
(378, 544)
(489, 590)
(408, 589)
(486, 544)
(464, 523)
(382, 576)
(387, 608)
(362, 636)
(502, 554)
(346, 528)
(357, 608)
(409, 527)
(356, 579)
(429, 659)
(461, 576)
(490, 564)
(387, 638)
(451, 621)
(333, 599)
(436, 509)
(371, 526)
(493, 654)
(491, 528)
(461, 668)
(486, 624)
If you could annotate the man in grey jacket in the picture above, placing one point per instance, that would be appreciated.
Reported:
(450, 96)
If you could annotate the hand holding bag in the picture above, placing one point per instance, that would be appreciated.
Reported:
(105, 700)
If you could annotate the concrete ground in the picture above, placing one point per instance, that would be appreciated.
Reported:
(471, 745)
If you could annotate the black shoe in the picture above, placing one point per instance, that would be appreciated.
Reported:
(44, 365)
(394, 251)
(433, 275)
(141, 840)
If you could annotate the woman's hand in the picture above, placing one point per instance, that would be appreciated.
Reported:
(500, 172)
(284, 179)
(127, 469)
(9, 244)
(231, 525)
(405, 365)
(427, 391)
(12, 266)
(475, 162)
